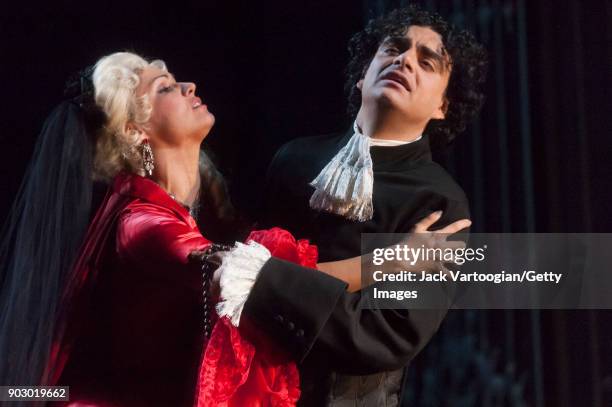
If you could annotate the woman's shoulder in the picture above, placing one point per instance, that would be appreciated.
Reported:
(142, 214)
(140, 209)
(157, 231)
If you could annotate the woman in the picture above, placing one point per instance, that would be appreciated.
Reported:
(131, 323)
(134, 280)
(131, 317)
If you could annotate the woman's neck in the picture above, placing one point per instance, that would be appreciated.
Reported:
(177, 172)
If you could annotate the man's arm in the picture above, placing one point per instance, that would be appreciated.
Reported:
(350, 271)
(309, 312)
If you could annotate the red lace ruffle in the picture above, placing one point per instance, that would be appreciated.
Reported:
(235, 373)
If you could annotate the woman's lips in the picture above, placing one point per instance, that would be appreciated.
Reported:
(197, 102)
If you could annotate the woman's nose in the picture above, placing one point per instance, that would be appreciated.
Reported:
(188, 88)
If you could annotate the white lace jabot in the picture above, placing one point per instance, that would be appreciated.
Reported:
(344, 186)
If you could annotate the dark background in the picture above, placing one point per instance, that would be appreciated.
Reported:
(537, 160)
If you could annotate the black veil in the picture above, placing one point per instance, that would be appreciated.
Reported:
(43, 233)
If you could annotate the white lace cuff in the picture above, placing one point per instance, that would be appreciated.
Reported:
(239, 270)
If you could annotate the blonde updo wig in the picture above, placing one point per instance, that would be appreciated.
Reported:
(115, 79)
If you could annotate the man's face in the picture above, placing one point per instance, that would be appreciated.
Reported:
(409, 75)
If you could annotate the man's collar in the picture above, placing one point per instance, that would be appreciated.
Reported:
(396, 158)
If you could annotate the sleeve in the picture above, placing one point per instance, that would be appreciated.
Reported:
(241, 266)
(453, 211)
(152, 235)
(311, 313)
(239, 271)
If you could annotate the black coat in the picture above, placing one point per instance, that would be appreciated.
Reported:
(328, 331)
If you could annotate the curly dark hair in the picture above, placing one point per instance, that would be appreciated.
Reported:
(467, 56)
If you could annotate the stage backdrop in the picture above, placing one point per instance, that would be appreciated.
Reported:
(270, 71)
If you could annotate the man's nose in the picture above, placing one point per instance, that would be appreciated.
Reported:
(188, 88)
(407, 59)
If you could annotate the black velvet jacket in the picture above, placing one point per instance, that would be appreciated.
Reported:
(327, 328)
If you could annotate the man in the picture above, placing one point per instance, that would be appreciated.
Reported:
(413, 82)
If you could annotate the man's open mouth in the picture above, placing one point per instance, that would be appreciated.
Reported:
(398, 78)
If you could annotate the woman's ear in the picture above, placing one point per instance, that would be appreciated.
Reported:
(135, 130)
(129, 128)
(359, 84)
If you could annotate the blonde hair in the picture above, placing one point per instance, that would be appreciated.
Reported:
(115, 79)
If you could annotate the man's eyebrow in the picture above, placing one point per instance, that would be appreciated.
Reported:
(397, 40)
(441, 59)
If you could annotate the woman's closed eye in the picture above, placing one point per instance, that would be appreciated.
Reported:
(168, 89)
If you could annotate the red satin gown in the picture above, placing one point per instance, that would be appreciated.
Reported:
(132, 332)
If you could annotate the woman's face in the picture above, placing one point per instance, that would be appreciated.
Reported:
(178, 115)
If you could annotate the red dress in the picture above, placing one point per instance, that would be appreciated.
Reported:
(234, 372)
(133, 332)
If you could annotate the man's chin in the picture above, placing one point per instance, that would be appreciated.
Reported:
(390, 98)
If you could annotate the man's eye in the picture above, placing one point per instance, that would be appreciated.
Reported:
(428, 65)
(391, 50)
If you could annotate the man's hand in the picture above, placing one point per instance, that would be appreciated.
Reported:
(349, 270)
(424, 224)
(421, 236)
